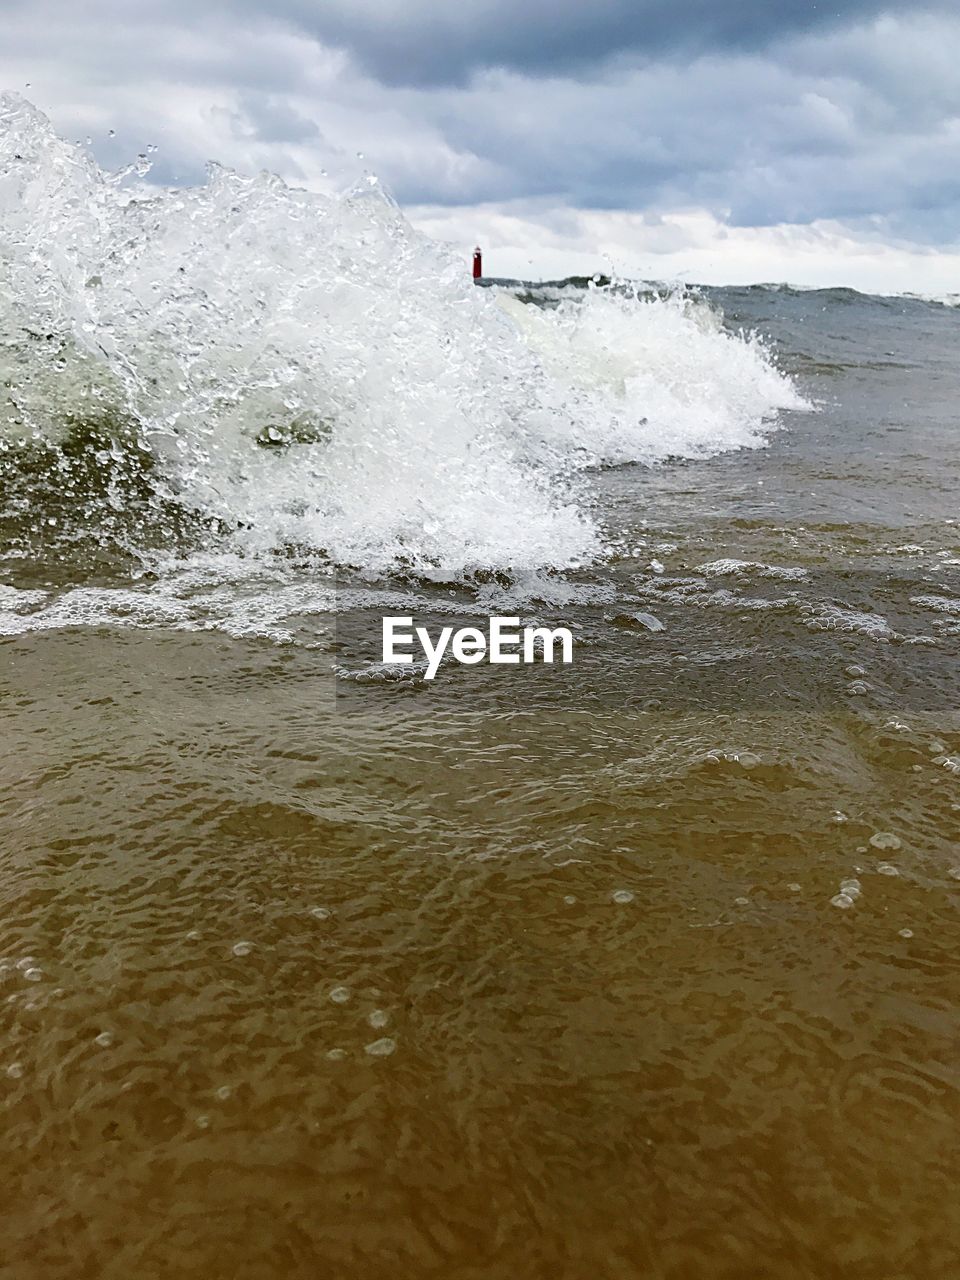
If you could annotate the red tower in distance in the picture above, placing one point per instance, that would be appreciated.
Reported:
(477, 263)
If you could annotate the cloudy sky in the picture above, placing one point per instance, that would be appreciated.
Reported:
(816, 141)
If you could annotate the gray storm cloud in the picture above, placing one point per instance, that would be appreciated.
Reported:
(427, 42)
(759, 113)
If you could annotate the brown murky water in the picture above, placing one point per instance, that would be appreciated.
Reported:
(645, 967)
(295, 987)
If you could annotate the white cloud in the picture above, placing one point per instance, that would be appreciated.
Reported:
(828, 158)
(692, 247)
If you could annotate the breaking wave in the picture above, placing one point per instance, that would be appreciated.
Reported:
(250, 364)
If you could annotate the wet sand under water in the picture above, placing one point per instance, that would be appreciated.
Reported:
(303, 982)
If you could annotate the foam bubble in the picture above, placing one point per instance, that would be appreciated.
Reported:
(885, 840)
(381, 1048)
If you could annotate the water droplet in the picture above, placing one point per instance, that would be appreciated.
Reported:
(794, 888)
(842, 901)
(885, 840)
(320, 913)
(379, 1018)
(194, 935)
(741, 902)
(15, 1070)
(336, 1055)
(886, 869)
(906, 933)
(649, 621)
(570, 899)
(747, 759)
(954, 873)
(340, 995)
(104, 1039)
(203, 1122)
(622, 896)
(33, 975)
(852, 888)
(381, 1048)
(242, 948)
(27, 962)
(224, 1092)
(854, 671)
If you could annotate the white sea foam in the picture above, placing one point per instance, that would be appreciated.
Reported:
(733, 568)
(938, 604)
(650, 378)
(829, 617)
(408, 417)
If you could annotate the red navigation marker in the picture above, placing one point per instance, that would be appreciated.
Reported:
(477, 263)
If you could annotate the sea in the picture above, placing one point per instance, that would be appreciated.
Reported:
(641, 966)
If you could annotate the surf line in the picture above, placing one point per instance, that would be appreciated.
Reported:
(503, 643)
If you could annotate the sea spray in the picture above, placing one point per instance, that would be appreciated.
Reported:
(291, 370)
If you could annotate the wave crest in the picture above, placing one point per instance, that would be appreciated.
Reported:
(291, 369)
